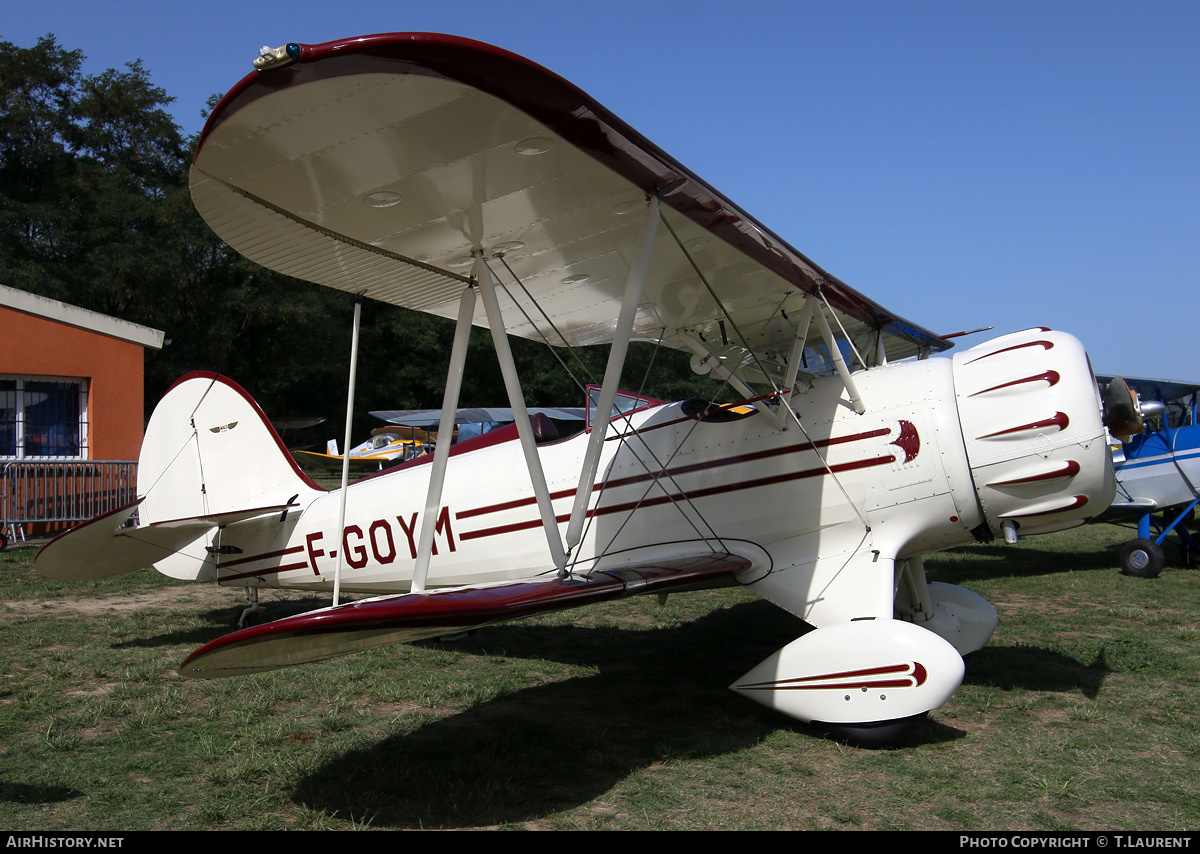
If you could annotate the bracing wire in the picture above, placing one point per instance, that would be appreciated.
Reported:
(657, 474)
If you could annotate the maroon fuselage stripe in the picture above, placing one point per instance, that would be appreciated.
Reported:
(263, 556)
(681, 470)
(632, 480)
(679, 496)
(266, 570)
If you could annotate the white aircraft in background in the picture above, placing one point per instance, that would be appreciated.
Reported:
(458, 179)
(407, 434)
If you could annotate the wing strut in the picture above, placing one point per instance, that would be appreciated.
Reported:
(337, 572)
(634, 286)
(794, 360)
(516, 400)
(835, 352)
(441, 450)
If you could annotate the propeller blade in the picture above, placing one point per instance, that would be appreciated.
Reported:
(1122, 409)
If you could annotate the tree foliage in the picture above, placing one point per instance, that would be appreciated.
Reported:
(95, 211)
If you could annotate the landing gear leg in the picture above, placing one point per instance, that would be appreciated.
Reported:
(253, 608)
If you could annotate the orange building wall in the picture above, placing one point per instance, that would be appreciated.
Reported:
(34, 346)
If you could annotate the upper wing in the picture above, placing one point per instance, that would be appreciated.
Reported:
(1153, 389)
(378, 165)
(387, 620)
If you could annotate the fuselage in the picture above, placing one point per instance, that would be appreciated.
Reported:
(898, 480)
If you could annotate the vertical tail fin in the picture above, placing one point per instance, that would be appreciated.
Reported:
(210, 458)
(210, 451)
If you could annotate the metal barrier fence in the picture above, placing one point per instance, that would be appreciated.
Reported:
(38, 492)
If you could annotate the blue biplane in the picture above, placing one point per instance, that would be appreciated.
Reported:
(1158, 473)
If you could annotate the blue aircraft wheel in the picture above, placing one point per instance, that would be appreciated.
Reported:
(1142, 558)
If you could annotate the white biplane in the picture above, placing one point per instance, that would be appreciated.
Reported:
(455, 178)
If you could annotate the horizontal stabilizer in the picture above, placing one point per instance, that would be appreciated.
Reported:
(387, 620)
(108, 545)
(215, 520)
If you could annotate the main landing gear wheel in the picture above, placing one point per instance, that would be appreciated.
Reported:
(1142, 558)
(878, 733)
(3, 541)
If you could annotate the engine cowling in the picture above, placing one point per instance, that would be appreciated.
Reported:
(1032, 425)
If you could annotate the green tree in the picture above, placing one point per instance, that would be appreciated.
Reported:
(95, 210)
(86, 163)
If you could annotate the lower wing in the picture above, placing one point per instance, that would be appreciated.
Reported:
(371, 623)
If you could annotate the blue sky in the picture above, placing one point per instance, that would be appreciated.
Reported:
(965, 164)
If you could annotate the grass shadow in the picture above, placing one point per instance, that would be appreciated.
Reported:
(222, 621)
(1032, 668)
(985, 562)
(656, 696)
(29, 793)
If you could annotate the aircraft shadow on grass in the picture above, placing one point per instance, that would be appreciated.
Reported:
(1017, 562)
(740, 633)
(223, 620)
(656, 696)
(1034, 668)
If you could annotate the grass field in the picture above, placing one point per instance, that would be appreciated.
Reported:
(1082, 713)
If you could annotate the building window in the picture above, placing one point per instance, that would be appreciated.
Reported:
(43, 417)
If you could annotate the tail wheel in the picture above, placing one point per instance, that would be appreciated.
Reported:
(1142, 558)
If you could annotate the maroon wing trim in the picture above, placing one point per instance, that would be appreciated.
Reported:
(379, 622)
